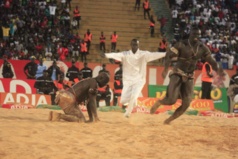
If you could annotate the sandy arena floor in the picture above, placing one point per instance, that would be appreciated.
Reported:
(26, 134)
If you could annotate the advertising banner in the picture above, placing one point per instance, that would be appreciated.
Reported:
(218, 95)
(18, 100)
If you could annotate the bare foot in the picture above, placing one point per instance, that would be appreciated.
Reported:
(167, 122)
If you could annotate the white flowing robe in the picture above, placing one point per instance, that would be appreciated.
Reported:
(134, 73)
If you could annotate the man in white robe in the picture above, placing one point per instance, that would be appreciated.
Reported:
(134, 64)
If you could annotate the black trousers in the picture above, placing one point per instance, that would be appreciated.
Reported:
(206, 90)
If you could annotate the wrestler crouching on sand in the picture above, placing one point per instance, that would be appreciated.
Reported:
(69, 99)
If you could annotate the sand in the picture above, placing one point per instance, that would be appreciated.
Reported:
(27, 134)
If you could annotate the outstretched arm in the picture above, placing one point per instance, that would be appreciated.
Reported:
(116, 56)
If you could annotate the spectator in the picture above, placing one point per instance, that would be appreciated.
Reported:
(104, 69)
(77, 15)
(162, 21)
(103, 92)
(206, 81)
(88, 38)
(62, 52)
(40, 68)
(86, 71)
(54, 71)
(72, 72)
(146, 7)
(68, 4)
(102, 39)
(31, 68)
(83, 51)
(7, 69)
(137, 5)
(163, 45)
(118, 85)
(114, 38)
(118, 73)
(76, 49)
(45, 85)
(152, 26)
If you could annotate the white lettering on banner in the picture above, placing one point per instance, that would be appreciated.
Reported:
(41, 100)
(19, 107)
(20, 96)
(25, 99)
(1, 87)
(15, 83)
(9, 99)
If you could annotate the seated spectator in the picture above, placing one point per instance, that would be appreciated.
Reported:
(7, 69)
(86, 71)
(45, 85)
(31, 68)
(105, 94)
(72, 72)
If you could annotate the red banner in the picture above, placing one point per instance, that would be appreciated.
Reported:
(23, 99)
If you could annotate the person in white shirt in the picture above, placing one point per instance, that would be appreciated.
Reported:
(134, 64)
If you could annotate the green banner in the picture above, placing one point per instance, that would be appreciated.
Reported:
(218, 95)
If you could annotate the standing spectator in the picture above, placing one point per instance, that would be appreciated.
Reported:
(146, 7)
(137, 4)
(88, 38)
(7, 68)
(54, 71)
(102, 39)
(177, 35)
(83, 51)
(114, 38)
(174, 16)
(68, 4)
(77, 15)
(152, 26)
(206, 81)
(40, 68)
(31, 68)
(163, 22)
(86, 71)
(76, 49)
(72, 72)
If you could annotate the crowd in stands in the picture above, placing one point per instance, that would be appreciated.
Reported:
(217, 21)
(36, 27)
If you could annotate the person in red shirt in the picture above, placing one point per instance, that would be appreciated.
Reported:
(62, 52)
(88, 38)
(114, 38)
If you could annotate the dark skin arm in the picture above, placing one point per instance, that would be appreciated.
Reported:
(170, 56)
